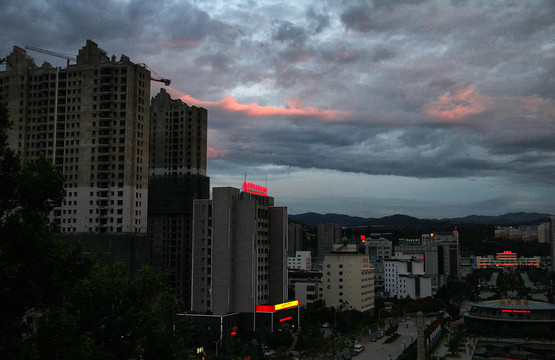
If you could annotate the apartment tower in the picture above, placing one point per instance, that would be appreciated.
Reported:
(91, 119)
(177, 176)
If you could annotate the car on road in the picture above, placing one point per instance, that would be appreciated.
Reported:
(373, 339)
(269, 353)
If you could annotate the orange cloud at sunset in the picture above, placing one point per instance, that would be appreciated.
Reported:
(253, 110)
(455, 106)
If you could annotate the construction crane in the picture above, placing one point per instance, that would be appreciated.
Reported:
(69, 58)
(48, 52)
(166, 82)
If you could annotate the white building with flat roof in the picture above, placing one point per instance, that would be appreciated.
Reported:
(348, 281)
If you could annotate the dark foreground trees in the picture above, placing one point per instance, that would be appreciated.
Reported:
(58, 304)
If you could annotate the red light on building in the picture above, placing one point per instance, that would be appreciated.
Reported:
(507, 252)
(255, 189)
(515, 311)
(265, 308)
(286, 318)
(363, 237)
(234, 333)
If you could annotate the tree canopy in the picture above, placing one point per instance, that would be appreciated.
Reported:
(59, 304)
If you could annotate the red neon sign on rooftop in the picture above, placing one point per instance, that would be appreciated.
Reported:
(255, 189)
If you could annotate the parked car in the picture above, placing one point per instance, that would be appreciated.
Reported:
(269, 353)
(358, 348)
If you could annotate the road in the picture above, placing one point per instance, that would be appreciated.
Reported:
(380, 351)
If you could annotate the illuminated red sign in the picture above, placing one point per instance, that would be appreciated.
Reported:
(272, 308)
(286, 318)
(515, 311)
(507, 252)
(255, 189)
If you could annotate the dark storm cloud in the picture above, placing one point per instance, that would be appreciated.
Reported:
(420, 89)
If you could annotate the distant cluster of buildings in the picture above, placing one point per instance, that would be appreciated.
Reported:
(538, 233)
(137, 190)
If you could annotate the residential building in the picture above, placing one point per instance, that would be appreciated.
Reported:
(177, 176)
(328, 234)
(91, 119)
(348, 280)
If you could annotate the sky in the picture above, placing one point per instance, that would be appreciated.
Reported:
(431, 109)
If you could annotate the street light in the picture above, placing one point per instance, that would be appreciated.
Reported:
(217, 341)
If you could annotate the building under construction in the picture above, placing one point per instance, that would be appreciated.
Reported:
(91, 119)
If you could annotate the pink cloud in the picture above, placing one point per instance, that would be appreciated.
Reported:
(213, 153)
(535, 105)
(253, 110)
(454, 106)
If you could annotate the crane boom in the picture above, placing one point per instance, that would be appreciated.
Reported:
(48, 52)
(69, 58)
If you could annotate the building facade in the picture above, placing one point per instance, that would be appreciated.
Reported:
(295, 238)
(239, 252)
(441, 254)
(348, 281)
(507, 259)
(177, 176)
(378, 250)
(301, 261)
(91, 119)
(328, 234)
(405, 276)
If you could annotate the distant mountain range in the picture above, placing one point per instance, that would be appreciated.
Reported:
(520, 218)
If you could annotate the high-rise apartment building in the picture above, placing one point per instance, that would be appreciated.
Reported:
(91, 119)
(239, 251)
(328, 234)
(177, 176)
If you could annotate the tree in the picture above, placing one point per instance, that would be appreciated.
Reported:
(58, 304)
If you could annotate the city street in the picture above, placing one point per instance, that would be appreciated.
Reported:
(380, 351)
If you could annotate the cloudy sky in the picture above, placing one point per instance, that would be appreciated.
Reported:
(371, 108)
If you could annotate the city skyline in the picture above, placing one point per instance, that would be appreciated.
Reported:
(364, 108)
